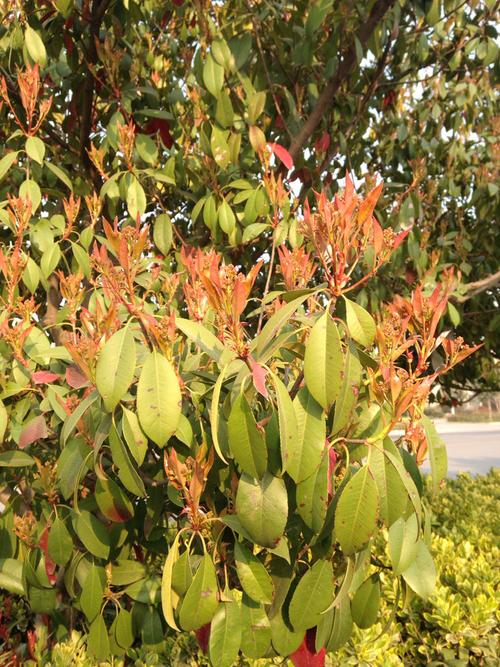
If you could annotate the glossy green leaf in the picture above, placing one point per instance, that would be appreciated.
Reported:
(268, 500)
(60, 542)
(15, 459)
(256, 629)
(324, 361)
(112, 501)
(169, 597)
(98, 640)
(7, 161)
(311, 436)
(342, 625)
(246, 441)
(137, 442)
(289, 441)
(437, 454)
(136, 198)
(92, 592)
(162, 233)
(158, 398)
(226, 217)
(254, 578)
(366, 602)
(314, 594)
(403, 543)
(225, 635)
(35, 46)
(146, 149)
(125, 572)
(72, 462)
(420, 575)
(312, 496)
(127, 473)
(11, 576)
(200, 602)
(35, 148)
(357, 512)
(214, 413)
(202, 337)
(30, 189)
(391, 490)
(115, 367)
(360, 323)
(92, 534)
(263, 342)
(213, 75)
(71, 422)
(284, 639)
(124, 632)
(349, 390)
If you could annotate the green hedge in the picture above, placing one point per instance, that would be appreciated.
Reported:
(458, 626)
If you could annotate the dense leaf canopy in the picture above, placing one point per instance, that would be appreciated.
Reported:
(402, 89)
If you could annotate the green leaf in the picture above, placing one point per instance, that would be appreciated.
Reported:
(169, 597)
(112, 501)
(312, 496)
(136, 198)
(124, 632)
(256, 106)
(92, 534)
(246, 441)
(311, 435)
(213, 75)
(437, 454)
(200, 602)
(137, 442)
(145, 591)
(162, 233)
(71, 462)
(403, 542)
(60, 174)
(30, 189)
(289, 441)
(98, 640)
(92, 592)
(60, 542)
(202, 337)
(158, 399)
(262, 344)
(35, 46)
(285, 641)
(6, 162)
(391, 490)
(314, 594)
(50, 260)
(357, 512)
(420, 575)
(224, 113)
(4, 419)
(15, 459)
(226, 217)
(256, 629)
(342, 625)
(349, 389)
(360, 323)
(254, 230)
(146, 148)
(254, 578)
(268, 500)
(214, 413)
(125, 572)
(127, 474)
(225, 635)
(11, 576)
(324, 361)
(366, 602)
(115, 367)
(35, 149)
(407, 480)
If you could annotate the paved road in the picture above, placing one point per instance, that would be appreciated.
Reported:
(473, 448)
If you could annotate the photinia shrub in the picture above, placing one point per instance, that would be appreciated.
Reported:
(185, 449)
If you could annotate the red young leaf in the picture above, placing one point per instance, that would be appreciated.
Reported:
(332, 462)
(322, 143)
(203, 636)
(50, 566)
(44, 377)
(282, 154)
(259, 377)
(34, 430)
(305, 655)
(75, 378)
